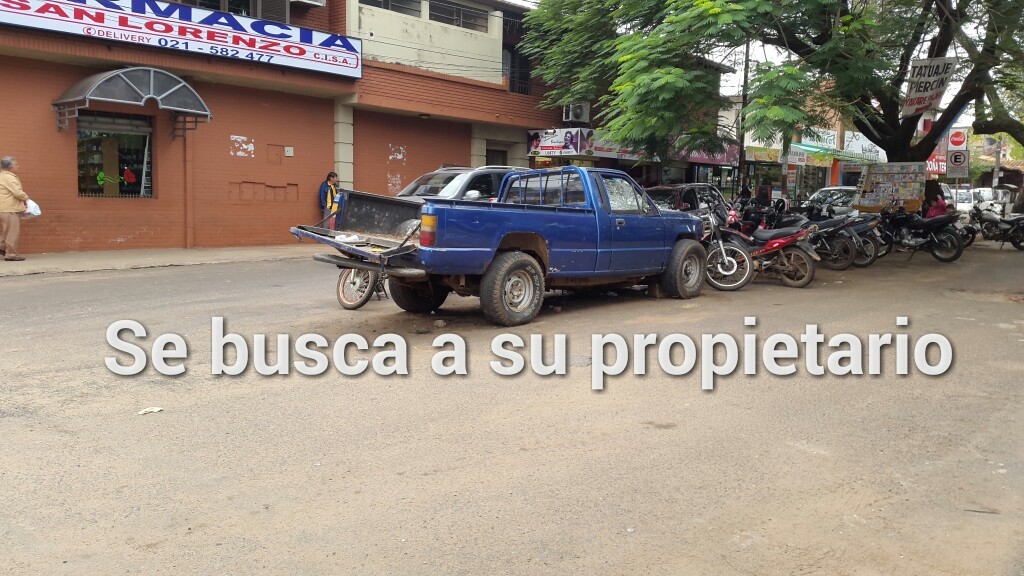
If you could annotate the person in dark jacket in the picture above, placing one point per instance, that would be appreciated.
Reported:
(329, 195)
(746, 192)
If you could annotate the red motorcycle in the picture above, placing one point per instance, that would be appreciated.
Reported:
(784, 252)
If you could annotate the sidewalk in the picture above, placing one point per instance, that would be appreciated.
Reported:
(153, 258)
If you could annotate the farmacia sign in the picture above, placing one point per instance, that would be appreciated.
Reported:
(191, 29)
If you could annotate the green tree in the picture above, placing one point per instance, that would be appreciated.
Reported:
(641, 61)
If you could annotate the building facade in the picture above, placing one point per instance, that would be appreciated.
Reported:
(148, 124)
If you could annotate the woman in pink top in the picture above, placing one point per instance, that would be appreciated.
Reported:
(937, 207)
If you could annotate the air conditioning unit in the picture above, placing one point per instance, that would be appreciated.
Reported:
(577, 112)
(310, 2)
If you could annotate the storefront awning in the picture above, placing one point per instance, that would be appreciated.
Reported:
(134, 86)
(836, 153)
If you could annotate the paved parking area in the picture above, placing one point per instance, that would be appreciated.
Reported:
(526, 474)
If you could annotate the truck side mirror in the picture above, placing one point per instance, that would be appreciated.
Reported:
(472, 195)
(683, 206)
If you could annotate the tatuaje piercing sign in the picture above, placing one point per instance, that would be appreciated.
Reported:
(191, 29)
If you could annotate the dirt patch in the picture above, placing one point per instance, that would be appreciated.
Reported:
(997, 297)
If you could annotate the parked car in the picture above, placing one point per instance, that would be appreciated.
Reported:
(964, 200)
(840, 198)
(680, 196)
(459, 183)
(992, 198)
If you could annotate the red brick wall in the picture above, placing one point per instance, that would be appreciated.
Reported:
(312, 17)
(391, 151)
(414, 90)
(49, 171)
(238, 201)
(252, 200)
(338, 15)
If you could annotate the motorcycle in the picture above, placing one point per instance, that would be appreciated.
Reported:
(866, 229)
(999, 229)
(833, 242)
(906, 231)
(784, 252)
(729, 265)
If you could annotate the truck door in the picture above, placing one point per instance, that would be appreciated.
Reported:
(637, 230)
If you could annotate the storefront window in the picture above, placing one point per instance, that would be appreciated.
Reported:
(115, 156)
(239, 7)
(767, 175)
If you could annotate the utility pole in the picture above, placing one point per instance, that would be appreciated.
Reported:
(743, 115)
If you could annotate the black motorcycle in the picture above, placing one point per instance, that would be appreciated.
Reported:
(729, 265)
(906, 231)
(833, 241)
(999, 229)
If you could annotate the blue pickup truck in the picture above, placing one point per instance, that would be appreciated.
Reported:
(562, 228)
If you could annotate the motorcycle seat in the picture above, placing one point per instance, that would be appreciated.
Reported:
(766, 235)
(830, 223)
(931, 223)
(1013, 220)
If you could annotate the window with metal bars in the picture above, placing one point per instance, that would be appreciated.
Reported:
(458, 15)
(275, 10)
(407, 7)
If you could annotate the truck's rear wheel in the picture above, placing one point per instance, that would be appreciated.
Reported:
(685, 273)
(512, 289)
(418, 299)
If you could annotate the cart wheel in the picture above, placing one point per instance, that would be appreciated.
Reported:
(356, 287)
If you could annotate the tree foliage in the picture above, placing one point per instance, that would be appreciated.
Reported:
(641, 60)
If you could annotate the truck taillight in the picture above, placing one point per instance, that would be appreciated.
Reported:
(428, 230)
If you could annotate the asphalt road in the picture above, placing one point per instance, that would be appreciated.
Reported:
(527, 474)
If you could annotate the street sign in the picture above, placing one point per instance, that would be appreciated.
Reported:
(958, 164)
(957, 140)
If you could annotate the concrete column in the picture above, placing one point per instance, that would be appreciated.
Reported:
(477, 150)
(495, 24)
(512, 140)
(518, 154)
(344, 143)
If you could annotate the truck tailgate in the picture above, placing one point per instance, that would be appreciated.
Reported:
(362, 251)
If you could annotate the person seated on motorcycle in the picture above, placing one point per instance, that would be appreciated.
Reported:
(937, 207)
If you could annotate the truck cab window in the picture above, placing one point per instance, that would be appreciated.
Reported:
(574, 195)
(623, 197)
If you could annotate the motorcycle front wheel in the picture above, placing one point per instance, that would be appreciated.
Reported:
(884, 245)
(730, 269)
(869, 254)
(947, 246)
(840, 254)
(1017, 239)
(795, 267)
(356, 287)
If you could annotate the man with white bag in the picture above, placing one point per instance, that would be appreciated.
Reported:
(12, 203)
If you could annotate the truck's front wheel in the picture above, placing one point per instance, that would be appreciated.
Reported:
(684, 275)
(417, 299)
(512, 289)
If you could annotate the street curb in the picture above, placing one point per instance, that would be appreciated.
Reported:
(32, 268)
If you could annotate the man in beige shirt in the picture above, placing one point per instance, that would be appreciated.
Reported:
(12, 202)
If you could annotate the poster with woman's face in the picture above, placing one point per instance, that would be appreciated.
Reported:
(570, 142)
(533, 141)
